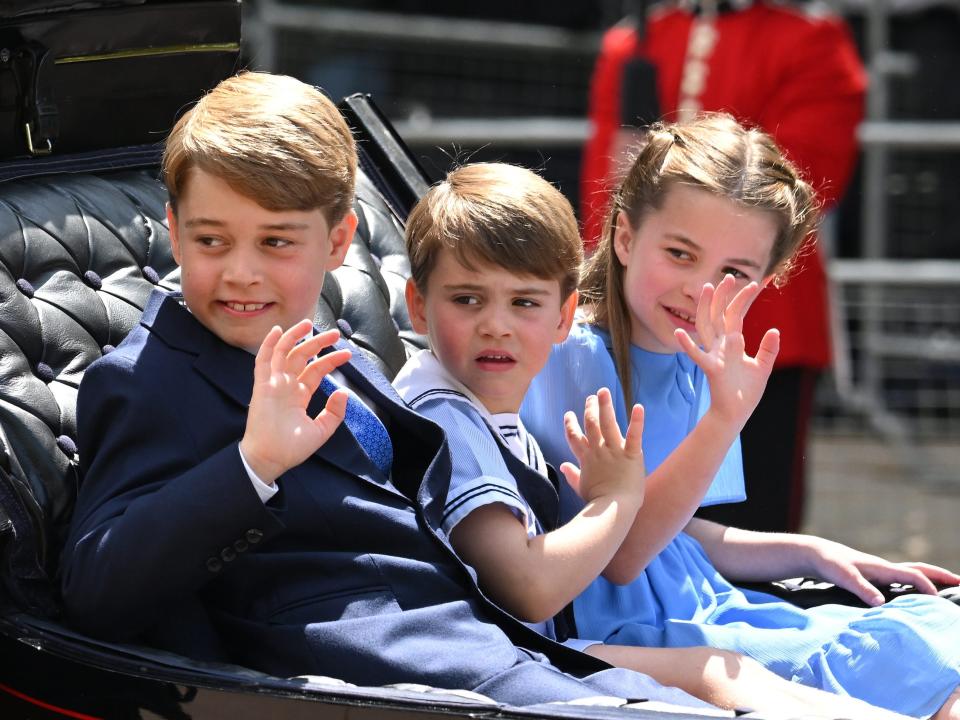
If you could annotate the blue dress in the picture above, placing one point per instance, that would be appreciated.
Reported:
(904, 655)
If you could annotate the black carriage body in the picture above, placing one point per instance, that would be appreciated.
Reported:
(80, 76)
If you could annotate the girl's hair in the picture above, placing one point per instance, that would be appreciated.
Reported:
(715, 153)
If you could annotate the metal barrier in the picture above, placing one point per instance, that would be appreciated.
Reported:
(463, 68)
(905, 316)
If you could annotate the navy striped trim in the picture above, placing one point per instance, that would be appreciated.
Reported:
(532, 454)
(436, 393)
(468, 495)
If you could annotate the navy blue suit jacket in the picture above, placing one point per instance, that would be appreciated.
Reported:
(342, 573)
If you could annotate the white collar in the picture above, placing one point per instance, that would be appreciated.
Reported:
(423, 378)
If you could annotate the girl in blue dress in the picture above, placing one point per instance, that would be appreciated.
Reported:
(709, 207)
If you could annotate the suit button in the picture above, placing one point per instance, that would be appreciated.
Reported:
(228, 554)
(254, 536)
(241, 546)
(214, 564)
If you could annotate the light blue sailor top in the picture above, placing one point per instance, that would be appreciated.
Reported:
(480, 475)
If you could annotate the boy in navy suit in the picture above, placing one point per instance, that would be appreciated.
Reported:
(238, 502)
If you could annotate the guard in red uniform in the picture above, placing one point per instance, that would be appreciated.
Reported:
(793, 69)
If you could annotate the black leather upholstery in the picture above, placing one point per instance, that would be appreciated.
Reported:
(79, 254)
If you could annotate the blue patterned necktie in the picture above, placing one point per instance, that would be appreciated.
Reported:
(365, 426)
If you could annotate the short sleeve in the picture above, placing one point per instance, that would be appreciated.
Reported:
(480, 475)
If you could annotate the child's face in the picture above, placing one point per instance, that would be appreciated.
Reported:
(490, 328)
(696, 237)
(245, 269)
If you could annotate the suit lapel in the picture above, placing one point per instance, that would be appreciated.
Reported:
(227, 368)
(369, 379)
(408, 429)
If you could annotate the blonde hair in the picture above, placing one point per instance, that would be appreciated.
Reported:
(715, 153)
(273, 139)
(497, 214)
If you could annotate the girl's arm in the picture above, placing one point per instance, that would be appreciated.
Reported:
(674, 492)
(534, 578)
(676, 488)
(746, 555)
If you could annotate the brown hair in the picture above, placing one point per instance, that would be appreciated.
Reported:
(715, 153)
(273, 139)
(498, 214)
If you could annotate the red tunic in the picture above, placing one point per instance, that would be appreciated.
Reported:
(793, 72)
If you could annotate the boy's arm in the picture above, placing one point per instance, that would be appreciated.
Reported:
(678, 485)
(534, 578)
(156, 512)
(746, 555)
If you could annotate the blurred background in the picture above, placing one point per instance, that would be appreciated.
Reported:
(510, 81)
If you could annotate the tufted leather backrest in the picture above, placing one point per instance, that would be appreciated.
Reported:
(79, 255)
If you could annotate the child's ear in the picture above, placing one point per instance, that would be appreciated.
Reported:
(174, 233)
(622, 238)
(341, 235)
(416, 307)
(568, 311)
